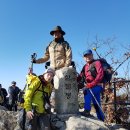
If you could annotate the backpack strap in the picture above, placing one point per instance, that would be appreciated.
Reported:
(41, 83)
(92, 69)
(83, 70)
(37, 89)
(64, 44)
(50, 44)
(46, 96)
(83, 79)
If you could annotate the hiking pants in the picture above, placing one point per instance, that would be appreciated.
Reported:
(39, 122)
(88, 97)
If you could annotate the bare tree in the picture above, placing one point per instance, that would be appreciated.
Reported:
(108, 49)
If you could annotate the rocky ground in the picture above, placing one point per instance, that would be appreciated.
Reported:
(9, 121)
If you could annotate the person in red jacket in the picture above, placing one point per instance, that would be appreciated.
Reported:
(93, 83)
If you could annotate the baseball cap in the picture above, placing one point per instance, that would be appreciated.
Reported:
(87, 52)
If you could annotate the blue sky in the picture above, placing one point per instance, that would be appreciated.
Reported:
(25, 27)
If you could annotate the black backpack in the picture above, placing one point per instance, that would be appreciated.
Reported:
(106, 67)
(1, 97)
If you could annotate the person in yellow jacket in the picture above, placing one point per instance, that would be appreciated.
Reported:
(58, 51)
(35, 100)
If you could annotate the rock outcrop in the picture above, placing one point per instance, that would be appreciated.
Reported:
(9, 121)
(76, 122)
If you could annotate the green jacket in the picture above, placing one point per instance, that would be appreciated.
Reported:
(32, 95)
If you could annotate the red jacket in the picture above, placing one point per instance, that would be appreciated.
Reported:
(88, 77)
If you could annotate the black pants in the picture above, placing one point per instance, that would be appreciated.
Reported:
(13, 107)
(39, 122)
(12, 104)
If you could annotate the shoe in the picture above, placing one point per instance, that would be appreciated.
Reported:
(86, 113)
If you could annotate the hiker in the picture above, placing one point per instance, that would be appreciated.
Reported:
(58, 51)
(4, 92)
(93, 86)
(13, 91)
(36, 101)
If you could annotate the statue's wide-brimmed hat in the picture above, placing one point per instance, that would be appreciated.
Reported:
(57, 28)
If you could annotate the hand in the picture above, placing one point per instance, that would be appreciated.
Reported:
(30, 114)
(47, 108)
(89, 85)
(33, 61)
(85, 90)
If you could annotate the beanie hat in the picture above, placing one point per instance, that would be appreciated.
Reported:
(50, 70)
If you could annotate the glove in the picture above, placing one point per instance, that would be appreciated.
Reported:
(84, 90)
(33, 61)
(89, 85)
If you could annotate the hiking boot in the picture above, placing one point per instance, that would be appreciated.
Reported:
(86, 113)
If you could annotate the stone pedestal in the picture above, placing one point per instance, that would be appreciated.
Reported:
(66, 91)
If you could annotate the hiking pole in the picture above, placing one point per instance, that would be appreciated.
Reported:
(96, 52)
(95, 99)
(33, 58)
(98, 104)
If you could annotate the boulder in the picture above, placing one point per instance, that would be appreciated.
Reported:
(76, 122)
(9, 121)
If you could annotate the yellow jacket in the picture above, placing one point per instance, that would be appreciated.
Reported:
(32, 95)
